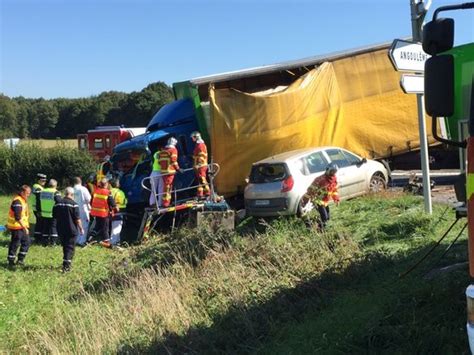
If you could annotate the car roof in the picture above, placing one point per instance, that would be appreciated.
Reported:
(292, 155)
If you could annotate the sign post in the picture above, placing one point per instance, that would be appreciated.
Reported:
(409, 56)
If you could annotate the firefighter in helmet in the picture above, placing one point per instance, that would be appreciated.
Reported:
(168, 160)
(322, 190)
(200, 164)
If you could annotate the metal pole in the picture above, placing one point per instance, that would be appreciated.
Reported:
(418, 12)
(425, 167)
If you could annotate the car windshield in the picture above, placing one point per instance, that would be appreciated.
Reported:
(263, 173)
(126, 160)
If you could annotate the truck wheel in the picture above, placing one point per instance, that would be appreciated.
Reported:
(377, 183)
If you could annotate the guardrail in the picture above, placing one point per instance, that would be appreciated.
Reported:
(213, 170)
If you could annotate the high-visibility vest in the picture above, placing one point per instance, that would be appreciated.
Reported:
(37, 188)
(156, 162)
(100, 172)
(119, 198)
(12, 223)
(47, 202)
(100, 205)
(168, 159)
(200, 154)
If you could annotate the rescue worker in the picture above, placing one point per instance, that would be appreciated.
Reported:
(66, 212)
(322, 190)
(157, 181)
(200, 164)
(117, 217)
(101, 207)
(168, 159)
(18, 224)
(91, 183)
(48, 197)
(83, 198)
(35, 192)
(104, 169)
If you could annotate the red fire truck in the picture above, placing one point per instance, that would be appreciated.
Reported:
(101, 140)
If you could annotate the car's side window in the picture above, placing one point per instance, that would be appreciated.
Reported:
(337, 157)
(353, 159)
(316, 162)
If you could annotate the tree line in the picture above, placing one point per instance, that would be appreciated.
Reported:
(65, 118)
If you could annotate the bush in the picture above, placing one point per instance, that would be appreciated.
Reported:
(20, 165)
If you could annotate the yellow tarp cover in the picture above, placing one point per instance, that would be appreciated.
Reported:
(355, 103)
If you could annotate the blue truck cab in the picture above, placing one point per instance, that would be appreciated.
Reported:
(132, 160)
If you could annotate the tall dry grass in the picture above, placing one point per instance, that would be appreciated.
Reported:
(179, 297)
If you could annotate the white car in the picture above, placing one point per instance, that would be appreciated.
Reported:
(277, 184)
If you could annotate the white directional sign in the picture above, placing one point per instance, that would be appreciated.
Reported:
(412, 84)
(407, 56)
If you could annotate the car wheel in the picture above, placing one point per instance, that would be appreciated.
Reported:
(377, 183)
(304, 208)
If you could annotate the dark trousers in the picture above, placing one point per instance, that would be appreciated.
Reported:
(324, 214)
(19, 237)
(100, 228)
(50, 232)
(38, 226)
(69, 243)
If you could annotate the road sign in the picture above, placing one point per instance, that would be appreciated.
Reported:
(407, 56)
(412, 84)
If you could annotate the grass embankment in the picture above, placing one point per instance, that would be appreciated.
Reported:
(282, 289)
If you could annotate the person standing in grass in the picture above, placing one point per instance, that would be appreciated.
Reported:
(67, 214)
(19, 225)
(321, 191)
(48, 197)
(37, 188)
(102, 206)
(83, 199)
(117, 217)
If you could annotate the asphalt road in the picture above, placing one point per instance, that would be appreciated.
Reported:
(440, 177)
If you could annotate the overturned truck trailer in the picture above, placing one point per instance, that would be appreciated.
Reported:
(350, 99)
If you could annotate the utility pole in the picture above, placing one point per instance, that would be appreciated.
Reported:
(418, 13)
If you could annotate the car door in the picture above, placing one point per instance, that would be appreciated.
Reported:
(348, 175)
(361, 171)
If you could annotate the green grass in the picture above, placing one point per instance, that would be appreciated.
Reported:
(32, 291)
(51, 143)
(270, 287)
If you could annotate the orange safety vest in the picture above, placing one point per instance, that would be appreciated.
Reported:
(100, 206)
(200, 155)
(12, 223)
(168, 160)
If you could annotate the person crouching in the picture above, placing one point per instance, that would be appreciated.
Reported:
(322, 190)
(69, 226)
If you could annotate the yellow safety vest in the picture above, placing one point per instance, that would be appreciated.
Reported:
(119, 198)
(47, 202)
(156, 162)
(12, 223)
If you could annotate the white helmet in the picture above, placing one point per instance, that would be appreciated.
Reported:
(172, 141)
(107, 158)
(196, 135)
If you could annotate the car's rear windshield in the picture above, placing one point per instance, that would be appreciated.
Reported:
(263, 173)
